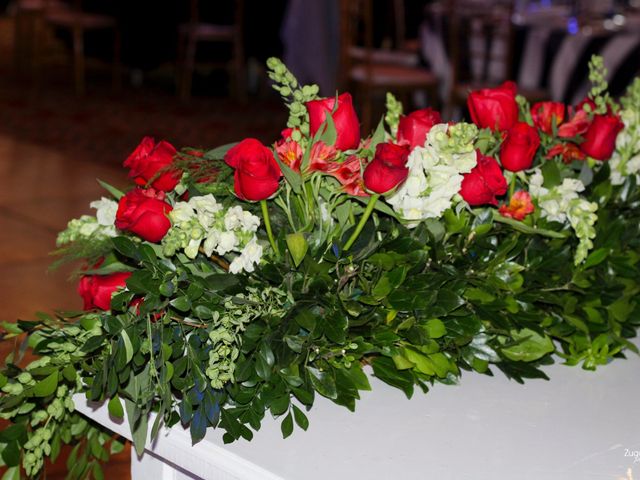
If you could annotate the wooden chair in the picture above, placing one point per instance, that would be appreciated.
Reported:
(481, 50)
(196, 31)
(369, 70)
(78, 22)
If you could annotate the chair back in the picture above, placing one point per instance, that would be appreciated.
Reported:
(480, 42)
(362, 42)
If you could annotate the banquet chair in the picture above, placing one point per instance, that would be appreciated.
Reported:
(481, 50)
(196, 31)
(369, 70)
(75, 20)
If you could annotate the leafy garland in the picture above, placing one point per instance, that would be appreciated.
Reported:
(418, 301)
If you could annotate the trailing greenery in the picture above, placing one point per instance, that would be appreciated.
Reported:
(471, 291)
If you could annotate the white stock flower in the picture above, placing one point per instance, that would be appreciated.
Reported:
(182, 212)
(207, 208)
(434, 179)
(105, 211)
(227, 242)
(250, 256)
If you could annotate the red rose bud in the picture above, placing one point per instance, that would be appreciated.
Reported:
(543, 114)
(494, 108)
(257, 175)
(151, 160)
(388, 169)
(482, 184)
(519, 206)
(600, 138)
(413, 128)
(344, 118)
(96, 290)
(144, 212)
(519, 147)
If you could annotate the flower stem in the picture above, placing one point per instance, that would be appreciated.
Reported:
(267, 225)
(512, 185)
(365, 216)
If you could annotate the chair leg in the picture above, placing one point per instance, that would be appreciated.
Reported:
(367, 105)
(78, 60)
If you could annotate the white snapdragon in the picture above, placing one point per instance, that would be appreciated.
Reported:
(250, 256)
(87, 226)
(203, 224)
(625, 160)
(435, 174)
(564, 204)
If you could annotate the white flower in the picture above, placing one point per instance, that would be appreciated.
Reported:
(105, 211)
(182, 212)
(191, 250)
(250, 256)
(435, 177)
(227, 242)
(211, 242)
(87, 228)
(206, 208)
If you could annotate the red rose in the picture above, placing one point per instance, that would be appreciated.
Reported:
(413, 128)
(96, 290)
(519, 147)
(344, 118)
(482, 184)
(494, 108)
(257, 173)
(388, 169)
(151, 160)
(144, 212)
(543, 114)
(600, 137)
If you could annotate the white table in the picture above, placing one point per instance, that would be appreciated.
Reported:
(580, 425)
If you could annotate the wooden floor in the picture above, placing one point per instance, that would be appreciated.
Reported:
(40, 190)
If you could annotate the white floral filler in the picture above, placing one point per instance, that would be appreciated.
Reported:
(435, 172)
(625, 160)
(102, 225)
(203, 223)
(563, 204)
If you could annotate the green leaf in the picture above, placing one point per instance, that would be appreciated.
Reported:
(335, 327)
(301, 418)
(385, 370)
(292, 177)
(551, 174)
(182, 303)
(435, 328)
(47, 386)
(324, 382)
(531, 346)
(115, 407)
(596, 257)
(218, 153)
(128, 348)
(521, 227)
(287, 426)
(11, 454)
(115, 193)
(126, 247)
(298, 247)
(280, 405)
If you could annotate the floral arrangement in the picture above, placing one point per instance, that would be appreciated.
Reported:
(243, 281)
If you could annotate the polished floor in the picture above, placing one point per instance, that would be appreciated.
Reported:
(40, 190)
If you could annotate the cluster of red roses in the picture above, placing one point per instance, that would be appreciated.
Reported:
(572, 138)
(142, 211)
(257, 175)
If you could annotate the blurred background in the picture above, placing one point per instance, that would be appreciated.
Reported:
(81, 81)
